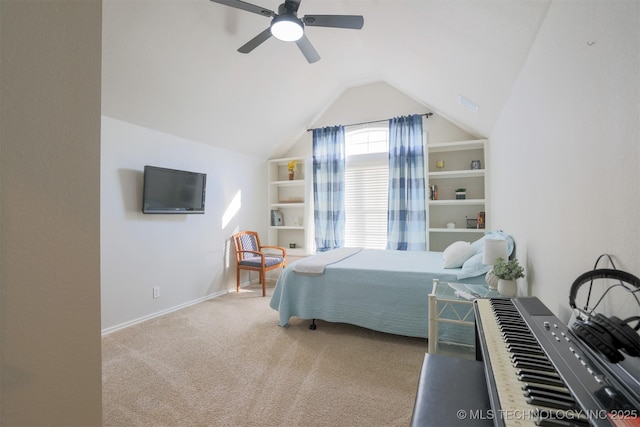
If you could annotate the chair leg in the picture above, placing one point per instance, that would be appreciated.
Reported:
(237, 279)
(264, 283)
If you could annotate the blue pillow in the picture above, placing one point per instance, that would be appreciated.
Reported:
(473, 267)
(497, 235)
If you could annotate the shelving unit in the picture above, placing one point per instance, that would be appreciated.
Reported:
(292, 199)
(456, 173)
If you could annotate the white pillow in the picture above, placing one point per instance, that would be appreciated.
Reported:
(457, 253)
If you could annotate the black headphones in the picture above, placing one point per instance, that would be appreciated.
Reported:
(606, 334)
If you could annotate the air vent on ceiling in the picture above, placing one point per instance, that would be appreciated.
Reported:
(468, 104)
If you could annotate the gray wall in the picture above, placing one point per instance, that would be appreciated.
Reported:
(50, 218)
(565, 153)
(378, 101)
(187, 256)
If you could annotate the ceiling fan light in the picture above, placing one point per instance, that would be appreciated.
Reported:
(286, 28)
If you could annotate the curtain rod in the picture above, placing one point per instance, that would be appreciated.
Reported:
(427, 115)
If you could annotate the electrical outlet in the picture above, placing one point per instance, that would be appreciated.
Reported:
(156, 292)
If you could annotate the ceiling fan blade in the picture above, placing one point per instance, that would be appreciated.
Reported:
(307, 49)
(256, 41)
(247, 6)
(354, 22)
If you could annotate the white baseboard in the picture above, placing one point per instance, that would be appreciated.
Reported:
(161, 313)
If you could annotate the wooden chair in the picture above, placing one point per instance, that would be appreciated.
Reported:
(250, 255)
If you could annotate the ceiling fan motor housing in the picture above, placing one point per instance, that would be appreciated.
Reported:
(288, 7)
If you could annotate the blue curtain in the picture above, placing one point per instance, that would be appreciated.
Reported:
(407, 211)
(328, 187)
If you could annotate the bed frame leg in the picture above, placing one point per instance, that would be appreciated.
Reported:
(313, 325)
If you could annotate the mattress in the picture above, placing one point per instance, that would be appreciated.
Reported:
(382, 290)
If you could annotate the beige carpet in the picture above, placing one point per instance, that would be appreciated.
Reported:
(225, 362)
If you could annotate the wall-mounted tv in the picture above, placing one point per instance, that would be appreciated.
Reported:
(171, 191)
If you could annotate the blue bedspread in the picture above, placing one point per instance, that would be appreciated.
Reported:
(382, 290)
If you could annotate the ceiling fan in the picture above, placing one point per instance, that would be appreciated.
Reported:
(286, 26)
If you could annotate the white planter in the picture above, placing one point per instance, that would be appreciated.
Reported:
(508, 288)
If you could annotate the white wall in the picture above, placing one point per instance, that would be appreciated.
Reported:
(377, 101)
(50, 348)
(565, 152)
(186, 256)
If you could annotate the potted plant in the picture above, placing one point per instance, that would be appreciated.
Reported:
(507, 273)
(461, 193)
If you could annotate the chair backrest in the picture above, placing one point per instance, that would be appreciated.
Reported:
(246, 241)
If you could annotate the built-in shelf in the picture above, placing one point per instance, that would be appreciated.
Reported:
(461, 166)
(475, 144)
(290, 198)
(287, 205)
(287, 227)
(457, 202)
(289, 182)
(472, 173)
(457, 230)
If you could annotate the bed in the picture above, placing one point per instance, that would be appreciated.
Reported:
(382, 290)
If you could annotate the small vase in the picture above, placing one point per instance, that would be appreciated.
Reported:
(290, 175)
(508, 288)
(491, 279)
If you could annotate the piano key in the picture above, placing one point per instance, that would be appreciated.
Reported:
(519, 348)
(514, 334)
(552, 403)
(507, 319)
(533, 386)
(563, 396)
(528, 357)
(542, 374)
(554, 422)
(516, 340)
(522, 364)
(538, 379)
(518, 354)
(511, 333)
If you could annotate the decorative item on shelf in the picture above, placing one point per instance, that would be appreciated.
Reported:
(291, 200)
(434, 192)
(472, 222)
(439, 164)
(451, 225)
(292, 245)
(475, 164)
(492, 251)
(481, 220)
(276, 218)
(507, 273)
(291, 166)
(461, 193)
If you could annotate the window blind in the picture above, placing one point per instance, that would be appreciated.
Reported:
(366, 188)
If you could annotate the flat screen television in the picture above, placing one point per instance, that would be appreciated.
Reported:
(171, 191)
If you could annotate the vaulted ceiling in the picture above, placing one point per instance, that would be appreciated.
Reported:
(173, 65)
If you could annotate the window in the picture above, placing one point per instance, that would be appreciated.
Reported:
(367, 141)
(366, 187)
